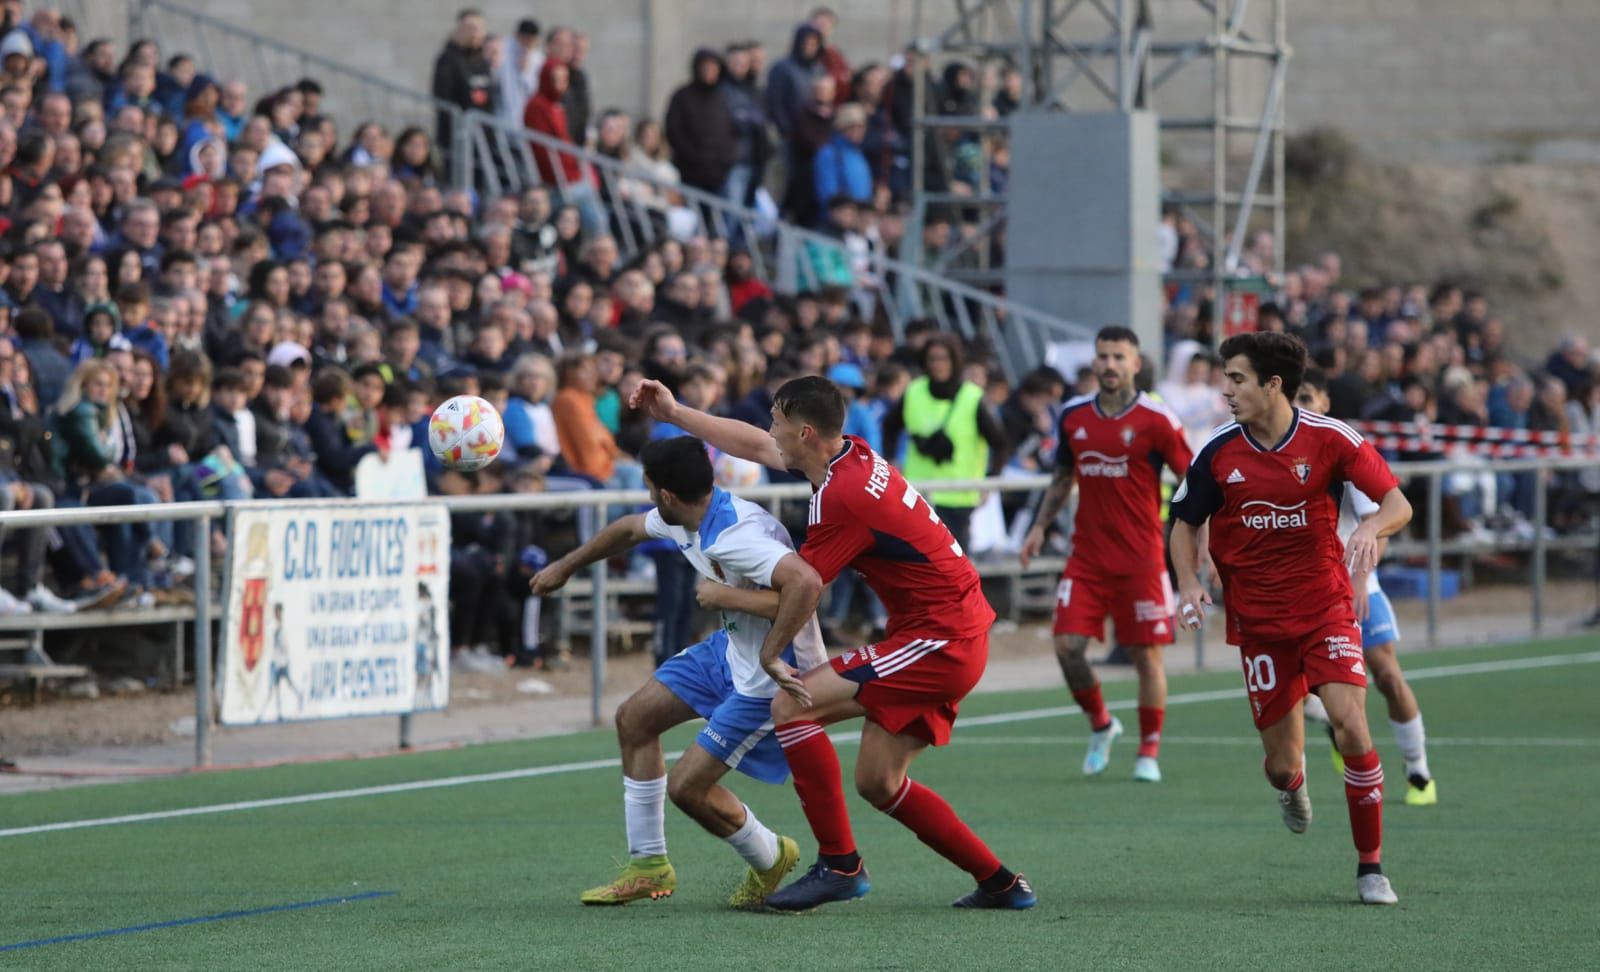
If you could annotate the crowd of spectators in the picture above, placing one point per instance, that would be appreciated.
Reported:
(1433, 358)
(207, 291)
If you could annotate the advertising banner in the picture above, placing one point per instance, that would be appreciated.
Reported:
(335, 611)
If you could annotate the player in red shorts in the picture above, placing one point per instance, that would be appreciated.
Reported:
(1114, 445)
(1270, 484)
(909, 685)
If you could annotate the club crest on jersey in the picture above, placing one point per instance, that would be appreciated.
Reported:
(1127, 435)
(1301, 470)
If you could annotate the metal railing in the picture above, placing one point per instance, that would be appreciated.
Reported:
(502, 157)
(589, 504)
(494, 156)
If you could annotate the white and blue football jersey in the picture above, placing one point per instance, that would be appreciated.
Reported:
(739, 544)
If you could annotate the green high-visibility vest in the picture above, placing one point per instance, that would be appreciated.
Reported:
(925, 415)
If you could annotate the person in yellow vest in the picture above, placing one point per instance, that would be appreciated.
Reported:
(949, 433)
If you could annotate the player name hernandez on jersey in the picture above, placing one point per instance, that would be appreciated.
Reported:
(867, 516)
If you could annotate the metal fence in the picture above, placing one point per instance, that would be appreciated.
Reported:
(492, 156)
(501, 158)
(588, 506)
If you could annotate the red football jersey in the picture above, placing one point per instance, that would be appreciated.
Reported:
(865, 515)
(1117, 460)
(1275, 522)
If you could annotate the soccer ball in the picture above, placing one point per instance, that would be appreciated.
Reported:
(466, 433)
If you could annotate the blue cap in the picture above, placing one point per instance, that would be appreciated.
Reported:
(849, 375)
(534, 558)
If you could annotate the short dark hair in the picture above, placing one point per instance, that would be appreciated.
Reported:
(680, 465)
(279, 377)
(1116, 332)
(1315, 378)
(230, 379)
(815, 401)
(1270, 354)
(173, 257)
(329, 384)
(34, 324)
(1043, 378)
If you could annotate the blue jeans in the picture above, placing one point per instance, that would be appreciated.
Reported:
(736, 189)
(126, 544)
(590, 213)
(79, 555)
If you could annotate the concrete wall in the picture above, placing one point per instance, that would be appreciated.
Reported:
(1407, 78)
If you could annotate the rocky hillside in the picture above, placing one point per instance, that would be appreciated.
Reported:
(1527, 235)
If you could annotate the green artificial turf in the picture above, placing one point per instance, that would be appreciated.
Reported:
(1195, 872)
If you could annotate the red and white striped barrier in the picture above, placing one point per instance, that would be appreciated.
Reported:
(1489, 442)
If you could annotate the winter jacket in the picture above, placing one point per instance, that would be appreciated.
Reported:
(545, 114)
(585, 444)
(749, 119)
(462, 78)
(699, 127)
(188, 426)
(840, 169)
(789, 81)
(82, 449)
(336, 454)
(579, 105)
(51, 370)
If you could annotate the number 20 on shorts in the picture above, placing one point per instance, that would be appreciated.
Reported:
(1259, 673)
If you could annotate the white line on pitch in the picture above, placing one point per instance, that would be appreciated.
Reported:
(1255, 741)
(1185, 698)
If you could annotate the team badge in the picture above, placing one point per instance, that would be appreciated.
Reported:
(1302, 470)
(1127, 435)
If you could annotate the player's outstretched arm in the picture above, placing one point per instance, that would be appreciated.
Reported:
(1192, 595)
(617, 537)
(759, 602)
(799, 589)
(1055, 497)
(732, 436)
(1365, 546)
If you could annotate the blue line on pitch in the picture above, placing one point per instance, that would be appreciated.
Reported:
(200, 920)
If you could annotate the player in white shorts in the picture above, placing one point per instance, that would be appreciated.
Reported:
(1379, 635)
(738, 546)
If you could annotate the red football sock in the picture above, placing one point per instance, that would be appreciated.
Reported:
(815, 766)
(1363, 791)
(925, 814)
(1150, 721)
(1093, 706)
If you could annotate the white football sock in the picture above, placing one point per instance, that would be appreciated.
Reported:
(754, 842)
(1413, 740)
(1316, 710)
(644, 805)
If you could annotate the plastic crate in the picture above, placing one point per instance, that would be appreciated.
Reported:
(1412, 582)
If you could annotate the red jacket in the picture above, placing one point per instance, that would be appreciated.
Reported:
(545, 115)
(744, 291)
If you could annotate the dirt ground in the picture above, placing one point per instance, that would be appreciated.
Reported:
(122, 735)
